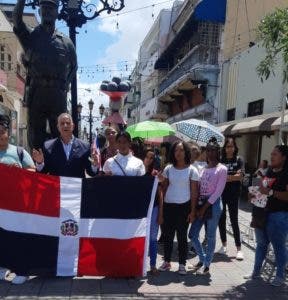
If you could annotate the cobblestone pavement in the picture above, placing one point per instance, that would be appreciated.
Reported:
(225, 282)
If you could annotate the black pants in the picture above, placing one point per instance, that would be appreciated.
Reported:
(46, 105)
(231, 200)
(175, 220)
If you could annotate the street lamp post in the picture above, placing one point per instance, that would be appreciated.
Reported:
(91, 104)
(76, 13)
(79, 110)
(90, 118)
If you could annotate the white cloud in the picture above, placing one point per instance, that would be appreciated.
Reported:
(133, 28)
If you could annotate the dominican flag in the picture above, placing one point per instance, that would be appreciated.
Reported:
(60, 226)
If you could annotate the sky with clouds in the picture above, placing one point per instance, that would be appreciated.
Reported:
(105, 49)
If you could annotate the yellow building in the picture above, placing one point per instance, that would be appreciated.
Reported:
(242, 19)
(12, 73)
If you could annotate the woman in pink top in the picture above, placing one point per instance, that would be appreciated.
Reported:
(209, 207)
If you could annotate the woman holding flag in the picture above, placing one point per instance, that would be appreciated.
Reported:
(157, 213)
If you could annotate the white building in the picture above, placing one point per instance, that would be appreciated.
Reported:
(150, 49)
(250, 109)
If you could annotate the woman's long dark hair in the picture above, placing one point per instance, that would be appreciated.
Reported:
(236, 149)
(186, 151)
(137, 147)
(151, 167)
(283, 149)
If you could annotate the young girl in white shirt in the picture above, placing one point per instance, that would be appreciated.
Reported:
(180, 180)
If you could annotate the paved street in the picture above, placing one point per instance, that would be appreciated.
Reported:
(226, 282)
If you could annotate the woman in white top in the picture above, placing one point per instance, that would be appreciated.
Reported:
(124, 163)
(180, 180)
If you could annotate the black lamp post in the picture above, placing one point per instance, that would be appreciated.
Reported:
(91, 104)
(90, 118)
(79, 110)
(76, 13)
(101, 110)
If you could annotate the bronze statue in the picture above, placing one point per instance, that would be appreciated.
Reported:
(51, 62)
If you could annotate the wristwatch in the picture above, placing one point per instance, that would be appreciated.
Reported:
(271, 192)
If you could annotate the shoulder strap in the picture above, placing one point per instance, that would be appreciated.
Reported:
(20, 152)
(119, 166)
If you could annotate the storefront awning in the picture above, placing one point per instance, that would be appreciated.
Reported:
(276, 124)
(247, 126)
(255, 124)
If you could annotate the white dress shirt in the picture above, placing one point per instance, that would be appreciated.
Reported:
(131, 165)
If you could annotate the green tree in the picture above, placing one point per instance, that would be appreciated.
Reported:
(273, 31)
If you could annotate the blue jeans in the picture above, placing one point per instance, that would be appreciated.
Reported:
(206, 256)
(276, 232)
(154, 227)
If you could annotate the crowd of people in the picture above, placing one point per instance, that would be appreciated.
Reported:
(196, 186)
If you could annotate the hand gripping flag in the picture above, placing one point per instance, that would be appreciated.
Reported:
(63, 226)
(96, 149)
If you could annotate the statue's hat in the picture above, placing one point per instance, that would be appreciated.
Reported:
(51, 2)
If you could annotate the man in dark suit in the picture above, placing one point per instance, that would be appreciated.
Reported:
(67, 155)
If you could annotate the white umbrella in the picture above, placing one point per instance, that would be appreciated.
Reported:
(198, 131)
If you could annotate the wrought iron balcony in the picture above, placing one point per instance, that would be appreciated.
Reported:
(198, 56)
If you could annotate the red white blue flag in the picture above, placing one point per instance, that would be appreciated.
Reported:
(63, 226)
(96, 149)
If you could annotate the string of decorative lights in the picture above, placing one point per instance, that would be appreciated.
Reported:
(137, 9)
(152, 6)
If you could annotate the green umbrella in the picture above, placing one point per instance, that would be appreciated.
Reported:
(150, 129)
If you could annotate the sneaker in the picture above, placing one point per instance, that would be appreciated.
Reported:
(239, 255)
(252, 276)
(277, 281)
(154, 271)
(19, 279)
(203, 271)
(222, 250)
(196, 267)
(4, 273)
(182, 270)
(165, 267)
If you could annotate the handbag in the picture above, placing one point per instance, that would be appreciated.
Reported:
(259, 217)
(201, 202)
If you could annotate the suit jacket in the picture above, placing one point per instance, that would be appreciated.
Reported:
(56, 162)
